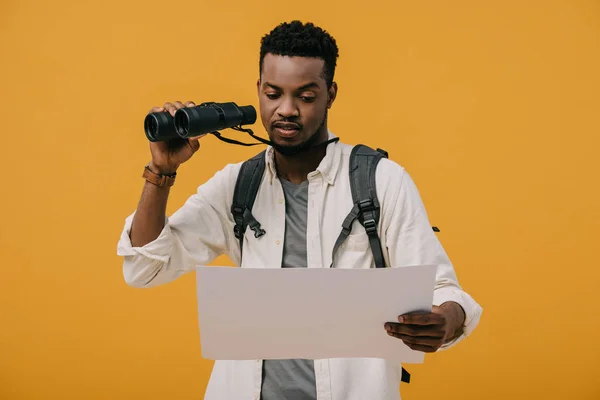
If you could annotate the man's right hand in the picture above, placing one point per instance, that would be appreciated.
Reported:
(168, 156)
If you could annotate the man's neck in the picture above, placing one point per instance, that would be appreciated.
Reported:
(296, 168)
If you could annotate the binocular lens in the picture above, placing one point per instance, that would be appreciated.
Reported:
(248, 115)
(159, 127)
(195, 121)
(152, 127)
(182, 123)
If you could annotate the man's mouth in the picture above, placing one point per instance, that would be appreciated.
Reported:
(286, 129)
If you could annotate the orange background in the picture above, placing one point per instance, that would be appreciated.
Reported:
(492, 106)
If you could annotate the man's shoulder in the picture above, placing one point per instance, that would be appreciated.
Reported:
(229, 171)
(222, 181)
(232, 169)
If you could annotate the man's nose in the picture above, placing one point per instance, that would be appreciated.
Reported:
(287, 109)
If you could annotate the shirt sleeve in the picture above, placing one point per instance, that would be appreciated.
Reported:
(411, 240)
(195, 234)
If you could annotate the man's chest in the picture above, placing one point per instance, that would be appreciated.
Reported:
(325, 208)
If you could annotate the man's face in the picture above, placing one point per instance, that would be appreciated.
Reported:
(293, 98)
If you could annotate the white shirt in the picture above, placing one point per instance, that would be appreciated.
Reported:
(202, 229)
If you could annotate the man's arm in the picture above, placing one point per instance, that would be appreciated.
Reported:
(410, 240)
(195, 234)
(149, 220)
(157, 250)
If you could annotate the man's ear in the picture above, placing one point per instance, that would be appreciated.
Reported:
(258, 85)
(331, 94)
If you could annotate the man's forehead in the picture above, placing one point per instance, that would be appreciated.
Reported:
(287, 70)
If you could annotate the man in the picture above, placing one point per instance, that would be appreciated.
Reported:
(302, 201)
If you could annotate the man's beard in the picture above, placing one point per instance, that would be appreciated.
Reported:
(293, 150)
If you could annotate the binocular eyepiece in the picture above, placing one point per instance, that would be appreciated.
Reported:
(194, 121)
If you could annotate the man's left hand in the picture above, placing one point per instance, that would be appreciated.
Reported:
(427, 332)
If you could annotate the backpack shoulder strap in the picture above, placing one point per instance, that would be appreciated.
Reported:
(363, 165)
(244, 194)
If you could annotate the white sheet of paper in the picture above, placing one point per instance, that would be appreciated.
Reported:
(312, 313)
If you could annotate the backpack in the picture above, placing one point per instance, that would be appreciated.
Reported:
(363, 164)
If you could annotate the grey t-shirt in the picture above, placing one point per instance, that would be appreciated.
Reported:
(292, 379)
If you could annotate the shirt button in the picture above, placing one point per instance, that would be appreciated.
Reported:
(280, 201)
(278, 241)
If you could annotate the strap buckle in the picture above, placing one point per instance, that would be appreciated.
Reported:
(370, 226)
(252, 223)
(366, 205)
(258, 231)
(238, 217)
(237, 210)
(367, 209)
(237, 231)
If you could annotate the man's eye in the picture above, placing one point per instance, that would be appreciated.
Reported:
(272, 96)
(308, 99)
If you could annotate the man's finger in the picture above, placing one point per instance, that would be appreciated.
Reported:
(420, 344)
(170, 108)
(425, 349)
(415, 330)
(421, 319)
(420, 340)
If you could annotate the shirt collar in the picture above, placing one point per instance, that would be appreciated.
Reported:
(327, 168)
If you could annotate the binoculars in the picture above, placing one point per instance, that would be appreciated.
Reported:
(207, 117)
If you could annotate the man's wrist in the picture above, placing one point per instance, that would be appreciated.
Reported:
(162, 169)
(161, 177)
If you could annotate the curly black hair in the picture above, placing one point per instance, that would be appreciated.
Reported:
(304, 40)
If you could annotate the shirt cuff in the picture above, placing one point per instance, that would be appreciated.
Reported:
(471, 308)
(158, 249)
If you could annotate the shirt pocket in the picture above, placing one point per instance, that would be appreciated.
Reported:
(355, 252)
(357, 242)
